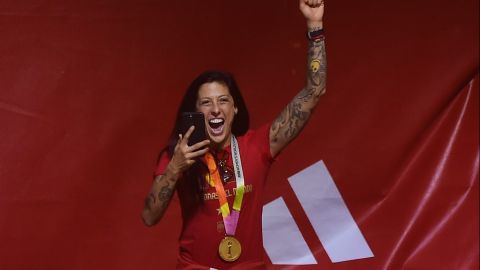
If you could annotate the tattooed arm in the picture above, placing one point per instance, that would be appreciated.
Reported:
(163, 186)
(294, 117)
(159, 197)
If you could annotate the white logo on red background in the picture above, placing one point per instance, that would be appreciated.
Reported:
(327, 213)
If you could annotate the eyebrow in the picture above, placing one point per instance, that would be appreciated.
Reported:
(221, 96)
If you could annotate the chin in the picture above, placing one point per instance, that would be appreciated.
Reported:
(218, 140)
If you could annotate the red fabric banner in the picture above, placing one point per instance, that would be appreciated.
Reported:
(89, 90)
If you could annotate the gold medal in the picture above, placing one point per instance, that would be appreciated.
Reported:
(229, 249)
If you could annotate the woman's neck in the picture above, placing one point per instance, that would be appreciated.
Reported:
(222, 145)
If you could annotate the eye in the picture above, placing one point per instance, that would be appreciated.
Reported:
(224, 100)
(204, 102)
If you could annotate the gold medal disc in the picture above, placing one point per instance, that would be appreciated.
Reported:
(229, 249)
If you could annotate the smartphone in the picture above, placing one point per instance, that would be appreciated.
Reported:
(196, 119)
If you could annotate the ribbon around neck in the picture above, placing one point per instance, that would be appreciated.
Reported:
(230, 218)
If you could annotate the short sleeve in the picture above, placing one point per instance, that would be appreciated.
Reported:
(261, 139)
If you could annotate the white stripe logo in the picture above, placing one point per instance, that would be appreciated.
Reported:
(326, 211)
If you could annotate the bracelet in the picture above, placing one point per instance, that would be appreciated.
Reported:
(316, 35)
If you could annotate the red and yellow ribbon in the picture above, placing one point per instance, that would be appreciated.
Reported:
(213, 179)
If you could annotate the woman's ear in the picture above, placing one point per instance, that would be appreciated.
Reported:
(235, 110)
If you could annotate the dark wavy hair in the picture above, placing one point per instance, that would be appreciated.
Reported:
(241, 121)
(240, 125)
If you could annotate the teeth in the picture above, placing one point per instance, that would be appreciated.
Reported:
(216, 121)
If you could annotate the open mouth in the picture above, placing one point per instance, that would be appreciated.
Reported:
(216, 125)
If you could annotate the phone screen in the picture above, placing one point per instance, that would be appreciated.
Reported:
(196, 119)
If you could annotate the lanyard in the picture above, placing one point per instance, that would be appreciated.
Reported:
(230, 218)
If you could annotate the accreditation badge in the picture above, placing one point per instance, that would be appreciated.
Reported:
(229, 249)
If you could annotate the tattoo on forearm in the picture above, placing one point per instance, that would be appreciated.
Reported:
(318, 66)
(165, 193)
(293, 118)
(157, 203)
(164, 196)
(149, 201)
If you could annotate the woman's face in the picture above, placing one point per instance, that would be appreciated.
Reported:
(216, 103)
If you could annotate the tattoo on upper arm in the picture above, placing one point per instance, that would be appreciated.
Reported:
(293, 118)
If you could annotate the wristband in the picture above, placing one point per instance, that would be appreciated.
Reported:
(316, 35)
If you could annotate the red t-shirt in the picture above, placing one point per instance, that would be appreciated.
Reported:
(203, 224)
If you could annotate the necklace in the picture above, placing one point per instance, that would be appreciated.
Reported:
(226, 171)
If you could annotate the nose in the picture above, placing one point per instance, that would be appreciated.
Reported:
(215, 109)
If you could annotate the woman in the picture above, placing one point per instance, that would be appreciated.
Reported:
(220, 180)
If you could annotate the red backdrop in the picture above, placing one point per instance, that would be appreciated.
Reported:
(89, 89)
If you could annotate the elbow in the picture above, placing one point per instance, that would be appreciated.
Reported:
(148, 220)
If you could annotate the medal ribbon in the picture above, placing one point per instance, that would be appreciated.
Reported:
(230, 219)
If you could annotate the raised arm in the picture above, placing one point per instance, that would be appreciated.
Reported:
(294, 117)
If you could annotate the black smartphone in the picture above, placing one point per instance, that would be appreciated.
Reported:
(196, 119)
